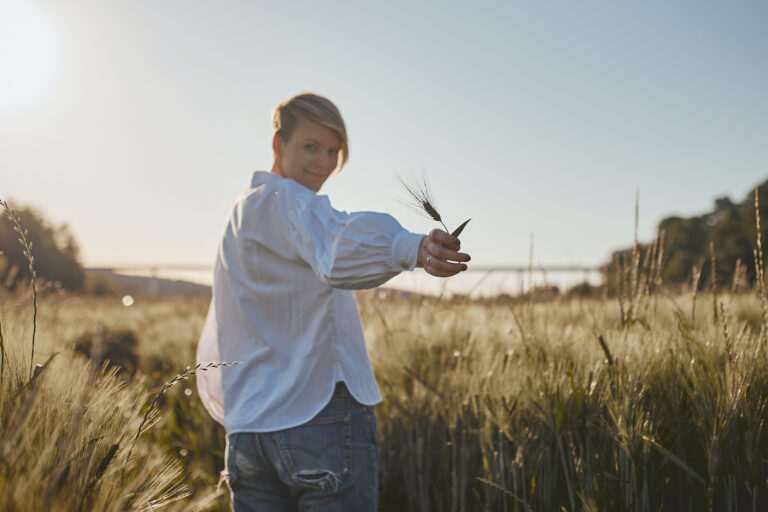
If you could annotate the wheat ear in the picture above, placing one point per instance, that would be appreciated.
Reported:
(26, 246)
(422, 200)
(184, 375)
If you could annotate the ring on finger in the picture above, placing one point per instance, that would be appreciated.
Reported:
(429, 258)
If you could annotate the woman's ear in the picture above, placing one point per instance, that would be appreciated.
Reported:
(276, 144)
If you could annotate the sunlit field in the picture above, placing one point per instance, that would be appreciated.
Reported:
(593, 173)
(561, 404)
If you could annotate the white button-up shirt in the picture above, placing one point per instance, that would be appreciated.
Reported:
(284, 309)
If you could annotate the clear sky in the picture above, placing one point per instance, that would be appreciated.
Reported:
(139, 122)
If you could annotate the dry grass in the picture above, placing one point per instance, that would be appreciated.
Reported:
(649, 401)
(66, 427)
(522, 395)
(545, 412)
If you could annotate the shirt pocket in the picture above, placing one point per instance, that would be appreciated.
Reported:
(318, 454)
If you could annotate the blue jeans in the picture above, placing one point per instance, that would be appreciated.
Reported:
(329, 463)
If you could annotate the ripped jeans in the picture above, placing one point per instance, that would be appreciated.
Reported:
(327, 464)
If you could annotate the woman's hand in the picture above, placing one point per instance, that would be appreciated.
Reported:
(438, 254)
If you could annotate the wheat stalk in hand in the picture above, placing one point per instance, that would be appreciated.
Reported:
(422, 200)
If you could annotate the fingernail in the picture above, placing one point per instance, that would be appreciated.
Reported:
(469, 258)
(463, 267)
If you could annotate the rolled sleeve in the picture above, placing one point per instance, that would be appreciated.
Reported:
(405, 249)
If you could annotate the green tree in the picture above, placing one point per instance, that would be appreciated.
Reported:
(54, 248)
(730, 229)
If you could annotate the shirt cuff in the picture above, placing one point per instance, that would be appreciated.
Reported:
(405, 249)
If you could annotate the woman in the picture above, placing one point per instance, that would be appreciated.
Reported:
(298, 406)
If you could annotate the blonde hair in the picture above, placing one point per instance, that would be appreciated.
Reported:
(310, 107)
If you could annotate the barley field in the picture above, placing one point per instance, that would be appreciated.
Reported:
(650, 401)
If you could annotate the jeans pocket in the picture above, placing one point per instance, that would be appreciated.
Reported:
(230, 473)
(318, 454)
(243, 458)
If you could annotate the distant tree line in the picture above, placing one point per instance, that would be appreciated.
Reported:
(683, 252)
(688, 246)
(54, 248)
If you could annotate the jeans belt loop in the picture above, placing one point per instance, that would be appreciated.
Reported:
(341, 390)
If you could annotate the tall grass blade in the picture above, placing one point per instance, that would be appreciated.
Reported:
(3, 357)
(506, 491)
(26, 245)
(606, 351)
(674, 458)
(760, 270)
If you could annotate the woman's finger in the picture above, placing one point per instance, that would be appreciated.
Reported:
(441, 273)
(446, 254)
(442, 238)
(441, 268)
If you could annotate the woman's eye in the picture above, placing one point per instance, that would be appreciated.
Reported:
(310, 147)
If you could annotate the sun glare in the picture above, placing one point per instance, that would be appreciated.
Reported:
(28, 54)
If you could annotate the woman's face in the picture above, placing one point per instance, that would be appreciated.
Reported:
(309, 156)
